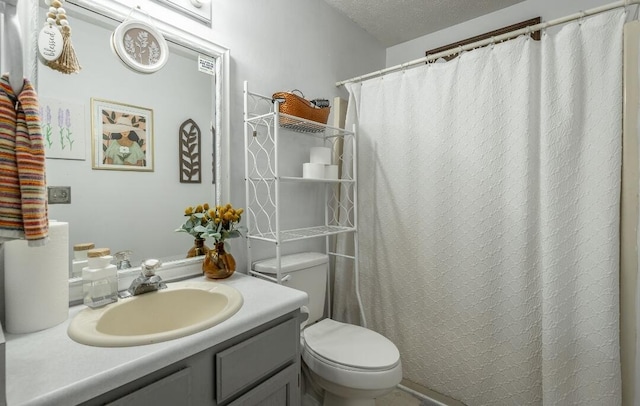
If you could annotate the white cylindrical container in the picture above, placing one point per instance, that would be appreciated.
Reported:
(37, 282)
(320, 155)
(313, 170)
(99, 279)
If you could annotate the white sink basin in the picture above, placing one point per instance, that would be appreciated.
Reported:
(179, 310)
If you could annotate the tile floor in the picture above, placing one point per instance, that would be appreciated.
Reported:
(395, 398)
(403, 398)
(398, 398)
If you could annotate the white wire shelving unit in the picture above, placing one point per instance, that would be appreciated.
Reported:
(265, 132)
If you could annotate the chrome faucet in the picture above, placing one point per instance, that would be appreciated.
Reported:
(148, 281)
(122, 259)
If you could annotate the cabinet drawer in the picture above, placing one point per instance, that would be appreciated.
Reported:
(175, 389)
(244, 364)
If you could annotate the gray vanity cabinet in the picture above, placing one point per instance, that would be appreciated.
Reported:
(259, 367)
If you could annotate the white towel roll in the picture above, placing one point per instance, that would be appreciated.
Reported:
(37, 282)
(331, 172)
(320, 155)
(313, 170)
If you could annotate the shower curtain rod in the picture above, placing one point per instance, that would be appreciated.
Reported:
(492, 40)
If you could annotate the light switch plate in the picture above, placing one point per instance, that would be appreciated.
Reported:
(59, 194)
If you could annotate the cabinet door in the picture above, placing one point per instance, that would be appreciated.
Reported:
(173, 390)
(240, 367)
(279, 390)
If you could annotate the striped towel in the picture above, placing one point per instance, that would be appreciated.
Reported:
(23, 201)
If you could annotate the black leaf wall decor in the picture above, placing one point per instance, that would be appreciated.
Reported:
(189, 138)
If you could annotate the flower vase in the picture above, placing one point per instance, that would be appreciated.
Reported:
(218, 264)
(198, 248)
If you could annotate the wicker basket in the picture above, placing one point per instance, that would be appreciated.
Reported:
(294, 105)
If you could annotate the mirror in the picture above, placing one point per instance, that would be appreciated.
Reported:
(115, 205)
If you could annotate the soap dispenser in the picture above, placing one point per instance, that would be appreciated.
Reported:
(99, 278)
(80, 258)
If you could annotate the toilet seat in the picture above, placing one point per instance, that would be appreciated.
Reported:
(350, 346)
(351, 355)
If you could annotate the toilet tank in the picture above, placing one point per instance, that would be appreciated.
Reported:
(307, 272)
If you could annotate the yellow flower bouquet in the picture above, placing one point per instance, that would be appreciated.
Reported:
(219, 223)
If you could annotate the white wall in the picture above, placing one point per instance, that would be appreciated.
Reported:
(547, 9)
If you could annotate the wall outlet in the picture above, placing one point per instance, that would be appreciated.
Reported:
(59, 194)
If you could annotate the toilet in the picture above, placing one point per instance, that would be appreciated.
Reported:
(351, 364)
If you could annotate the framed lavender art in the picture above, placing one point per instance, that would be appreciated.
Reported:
(63, 129)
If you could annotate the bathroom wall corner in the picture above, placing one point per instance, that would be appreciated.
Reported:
(3, 368)
(629, 216)
(2, 295)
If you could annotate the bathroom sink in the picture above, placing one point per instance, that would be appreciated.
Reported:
(183, 308)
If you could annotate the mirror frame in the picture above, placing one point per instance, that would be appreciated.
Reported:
(118, 12)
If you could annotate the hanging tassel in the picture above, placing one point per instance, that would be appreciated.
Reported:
(68, 61)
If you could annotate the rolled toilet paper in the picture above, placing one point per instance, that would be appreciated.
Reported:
(331, 171)
(320, 155)
(37, 282)
(313, 170)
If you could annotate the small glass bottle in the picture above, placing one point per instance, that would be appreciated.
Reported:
(80, 258)
(99, 278)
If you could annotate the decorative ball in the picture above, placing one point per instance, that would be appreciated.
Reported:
(47, 2)
(61, 10)
(51, 21)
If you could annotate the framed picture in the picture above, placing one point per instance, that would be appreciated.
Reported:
(122, 136)
(63, 128)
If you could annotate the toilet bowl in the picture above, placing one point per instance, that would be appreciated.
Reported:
(352, 364)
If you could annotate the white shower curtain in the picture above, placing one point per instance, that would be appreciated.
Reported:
(489, 217)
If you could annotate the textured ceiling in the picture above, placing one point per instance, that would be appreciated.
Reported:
(395, 21)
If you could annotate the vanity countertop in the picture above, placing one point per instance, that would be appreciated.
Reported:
(49, 368)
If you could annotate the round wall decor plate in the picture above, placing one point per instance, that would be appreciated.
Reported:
(140, 46)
